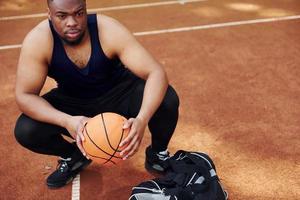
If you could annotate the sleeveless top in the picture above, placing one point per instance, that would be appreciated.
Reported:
(100, 74)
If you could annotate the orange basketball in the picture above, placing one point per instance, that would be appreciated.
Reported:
(103, 135)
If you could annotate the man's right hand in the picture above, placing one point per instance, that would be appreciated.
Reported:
(75, 126)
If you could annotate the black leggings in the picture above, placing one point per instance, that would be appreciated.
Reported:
(125, 99)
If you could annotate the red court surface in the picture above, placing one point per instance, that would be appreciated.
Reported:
(237, 76)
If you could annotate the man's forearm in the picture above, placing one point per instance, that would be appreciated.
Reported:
(154, 92)
(39, 109)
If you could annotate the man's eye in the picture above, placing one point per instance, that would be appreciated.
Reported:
(80, 13)
(61, 16)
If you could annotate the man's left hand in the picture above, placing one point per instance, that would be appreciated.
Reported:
(137, 128)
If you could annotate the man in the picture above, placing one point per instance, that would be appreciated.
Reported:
(87, 55)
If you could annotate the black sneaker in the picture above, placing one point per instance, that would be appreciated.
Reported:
(157, 162)
(66, 171)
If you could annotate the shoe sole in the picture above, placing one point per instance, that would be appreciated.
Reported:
(61, 184)
(153, 171)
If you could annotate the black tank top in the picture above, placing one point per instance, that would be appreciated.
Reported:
(99, 75)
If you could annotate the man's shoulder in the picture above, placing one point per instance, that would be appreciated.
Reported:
(111, 27)
(112, 32)
(40, 33)
(103, 18)
(43, 25)
(105, 21)
(39, 40)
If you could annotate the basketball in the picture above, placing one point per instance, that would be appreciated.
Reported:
(103, 135)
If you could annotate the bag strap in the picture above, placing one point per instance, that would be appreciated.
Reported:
(196, 157)
(199, 158)
(190, 162)
(190, 169)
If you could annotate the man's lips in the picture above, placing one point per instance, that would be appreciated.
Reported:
(73, 34)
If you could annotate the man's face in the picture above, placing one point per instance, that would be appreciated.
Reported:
(69, 18)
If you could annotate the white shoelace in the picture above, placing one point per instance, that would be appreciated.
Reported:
(63, 163)
(163, 155)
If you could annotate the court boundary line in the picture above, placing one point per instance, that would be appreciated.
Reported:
(76, 188)
(7, 47)
(112, 8)
(193, 28)
(218, 25)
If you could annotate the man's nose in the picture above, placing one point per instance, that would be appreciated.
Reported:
(71, 21)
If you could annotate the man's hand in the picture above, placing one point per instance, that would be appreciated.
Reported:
(137, 128)
(75, 126)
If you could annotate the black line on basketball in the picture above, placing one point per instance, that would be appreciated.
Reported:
(107, 160)
(105, 130)
(96, 144)
(106, 134)
(107, 138)
(122, 134)
(116, 150)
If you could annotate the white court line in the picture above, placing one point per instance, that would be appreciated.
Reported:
(142, 5)
(76, 188)
(218, 25)
(193, 28)
(6, 47)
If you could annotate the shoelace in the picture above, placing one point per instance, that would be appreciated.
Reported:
(62, 164)
(163, 155)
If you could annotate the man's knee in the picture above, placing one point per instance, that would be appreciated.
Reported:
(171, 100)
(169, 104)
(25, 131)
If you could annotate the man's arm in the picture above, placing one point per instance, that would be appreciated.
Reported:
(31, 75)
(140, 62)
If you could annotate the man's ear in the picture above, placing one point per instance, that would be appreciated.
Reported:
(49, 13)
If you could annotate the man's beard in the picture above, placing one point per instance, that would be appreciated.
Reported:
(75, 42)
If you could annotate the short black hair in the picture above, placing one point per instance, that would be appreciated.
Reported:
(50, 1)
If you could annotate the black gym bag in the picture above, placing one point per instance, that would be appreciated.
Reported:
(191, 176)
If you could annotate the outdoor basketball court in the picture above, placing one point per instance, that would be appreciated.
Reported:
(235, 65)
